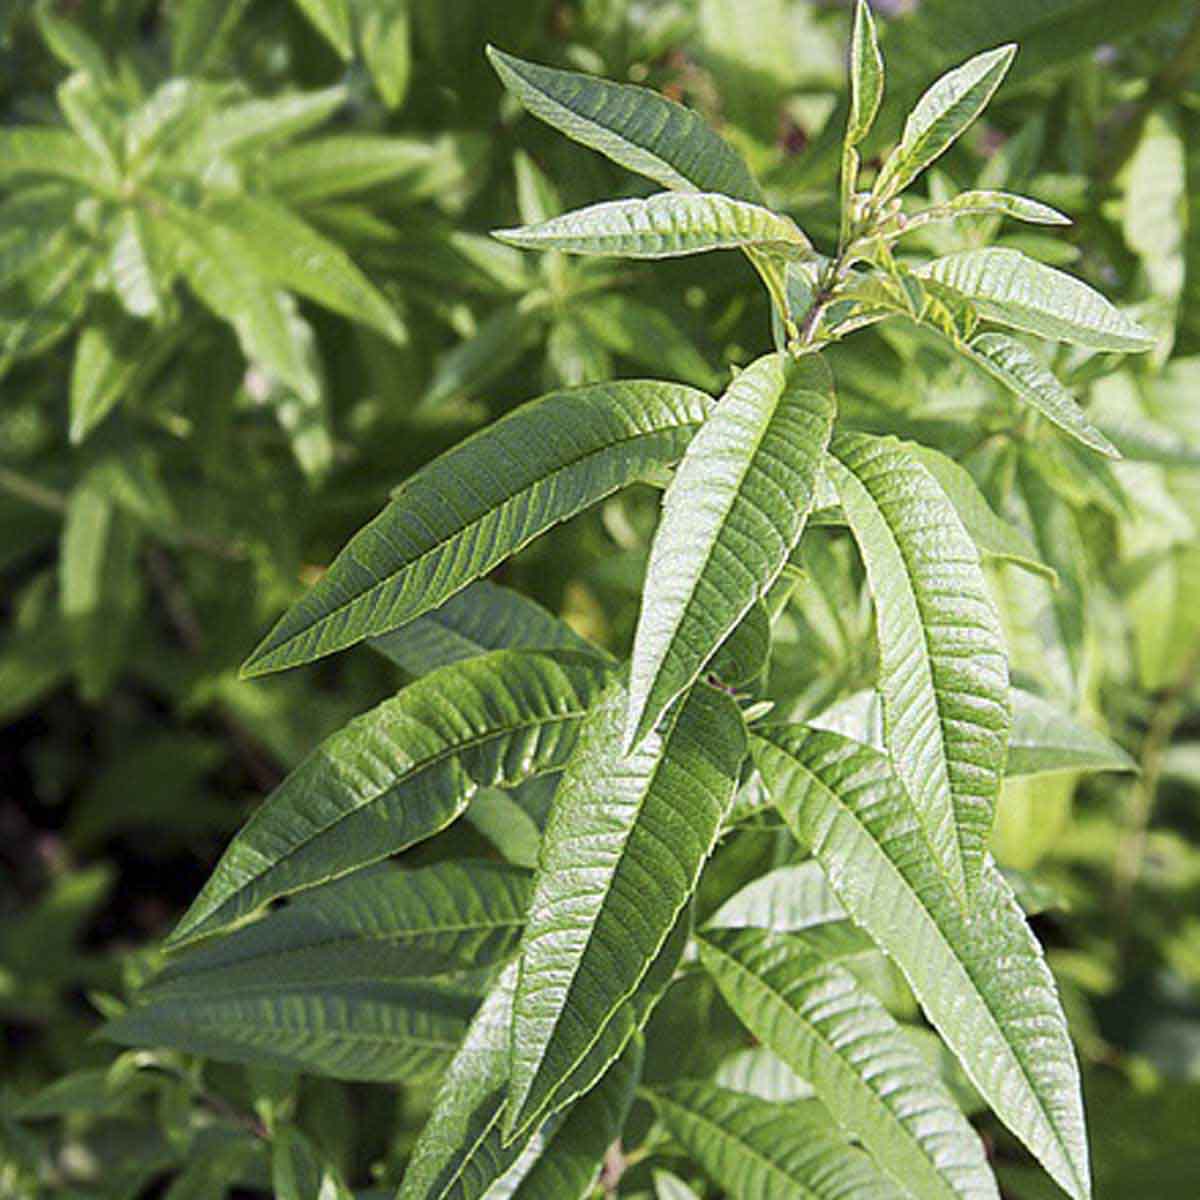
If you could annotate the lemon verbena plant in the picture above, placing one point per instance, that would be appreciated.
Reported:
(526, 988)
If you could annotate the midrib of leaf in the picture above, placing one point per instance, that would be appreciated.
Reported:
(598, 1033)
(427, 765)
(881, 858)
(883, 1113)
(470, 528)
(958, 881)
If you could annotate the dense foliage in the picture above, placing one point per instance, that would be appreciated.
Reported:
(779, 665)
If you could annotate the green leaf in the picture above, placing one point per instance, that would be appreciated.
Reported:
(784, 900)
(254, 125)
(635, 127)
(50, 152)
(1012, 289)
(199, 31)
(138, 276)
(386, 48)
(379, 924)
(1045, 738)
(818, 1018)
(399, 774)
(621, 855)
(943, 668)
(759, 1151)
(102, 369)
(667, 225)
(1024, 374)
(866, 75)
(460, 1154)
(671, 1187)
(995, 537)
(731, 516)
(480, 618)
(981, 979)
(569, 1167)
(988, 203)
(371, 1031)
(941, 117)
(539, 465)
(333, 20)
(290, 253)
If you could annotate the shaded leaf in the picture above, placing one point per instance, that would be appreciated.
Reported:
(1046, 738)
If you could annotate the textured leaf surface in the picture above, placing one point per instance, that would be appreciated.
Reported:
(760, 1151)
(943, 667)
(731, 516)
(665, 226)
(399, 774)
(635, 127)
(377, 924)
(982, 979)
(627, 838)
(1046, 738)
(990, 203)
(478, 503)
(1026, 376)
(941, 117)
(820, 1020)
(480, 618)
(375, 1031)
(866, 75)
(784, 900)
(1012, 289)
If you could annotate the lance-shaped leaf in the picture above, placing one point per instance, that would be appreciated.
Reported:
(371, 1031)
(942, 116)
(731, 516)
(1026, 376)
(623, 849)
(821, 1021)
(480, 618)
(985, 204)
(51, 152)
(568, 1168)
(460, 1154)
(943, 669)
(1045, 738)
(1012, 289)
(981, 979)
(756, 1150)
(635, 127)
(668, 225)
(473, 506)
(377, 924)
(784, 900)
(399, 774)
(866, 75)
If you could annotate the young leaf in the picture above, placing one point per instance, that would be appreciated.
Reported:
(1045, 738)
(1027, 377)
(370, 1031)
(759, 1151)
(1012, 289)
(377, 924)
(733, 513)
(941, 117)
(480, 618)
(988, 203)
(866, 75)
(981, 979)
(468, 510)
(667, 225)
(50, 152)
(635, 127)
(943, 667)
(820, 1020)
(399, 774)
(626, 840)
